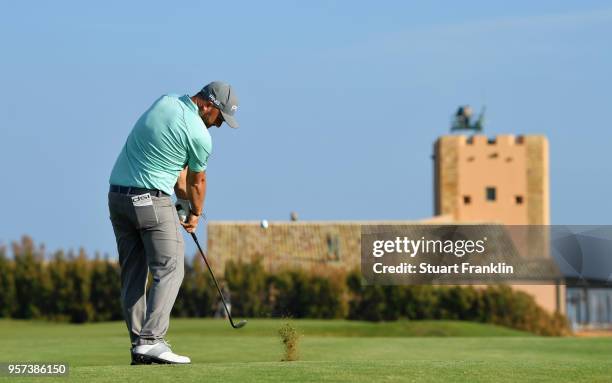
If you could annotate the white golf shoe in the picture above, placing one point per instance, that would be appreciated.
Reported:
(157, 353)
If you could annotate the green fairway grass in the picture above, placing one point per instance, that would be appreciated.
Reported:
(340, 351)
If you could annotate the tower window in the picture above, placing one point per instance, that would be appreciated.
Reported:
(467, 200)
(493, 155)
(518, 199)
(491, 193)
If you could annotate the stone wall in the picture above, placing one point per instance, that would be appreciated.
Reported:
(305, 245)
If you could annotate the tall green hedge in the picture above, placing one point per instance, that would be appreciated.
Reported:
(73, 287)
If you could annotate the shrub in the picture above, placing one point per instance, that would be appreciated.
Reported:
(298, 294)
(456, 302)
(247, 283)
(365, 302)
(105, 290)
(31, 283)
(77, 289)
(420, 302)
(79, 307)
(198, 295)
(7, 285)
(326, 297)
(507, 307)
(61, 289)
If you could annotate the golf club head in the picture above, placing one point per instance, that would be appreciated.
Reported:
(240, 324)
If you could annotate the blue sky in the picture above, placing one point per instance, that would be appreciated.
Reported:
(340, 103)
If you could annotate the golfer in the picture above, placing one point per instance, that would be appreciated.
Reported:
(167, 150)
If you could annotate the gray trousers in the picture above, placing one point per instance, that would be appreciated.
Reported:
(148, 237)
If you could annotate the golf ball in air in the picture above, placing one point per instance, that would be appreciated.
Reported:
(264, 223)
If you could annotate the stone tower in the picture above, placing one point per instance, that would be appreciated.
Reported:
(503, 179)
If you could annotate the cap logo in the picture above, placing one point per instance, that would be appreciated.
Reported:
(214, 100)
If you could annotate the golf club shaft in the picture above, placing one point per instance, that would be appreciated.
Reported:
(229, 315)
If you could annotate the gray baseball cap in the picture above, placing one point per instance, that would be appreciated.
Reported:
(222, 95)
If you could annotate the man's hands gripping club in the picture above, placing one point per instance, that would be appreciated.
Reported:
(190, 191)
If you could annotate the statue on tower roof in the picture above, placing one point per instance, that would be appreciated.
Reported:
(461, 120)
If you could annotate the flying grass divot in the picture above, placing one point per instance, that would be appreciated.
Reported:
(290, 338)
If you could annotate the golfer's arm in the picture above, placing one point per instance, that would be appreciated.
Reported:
(196, 190)
(180, 189)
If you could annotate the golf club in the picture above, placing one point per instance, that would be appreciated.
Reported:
(240, 324)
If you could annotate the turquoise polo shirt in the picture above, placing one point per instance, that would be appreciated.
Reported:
(165, 138)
